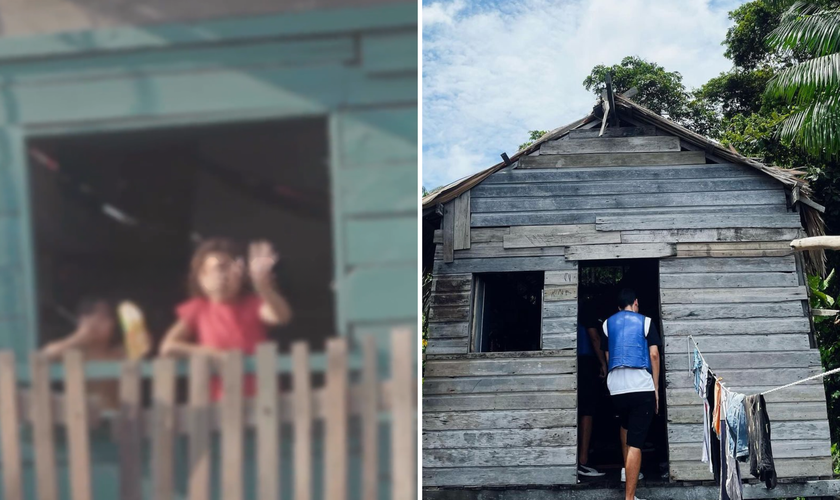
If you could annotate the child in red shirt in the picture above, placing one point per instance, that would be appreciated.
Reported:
(223, 313)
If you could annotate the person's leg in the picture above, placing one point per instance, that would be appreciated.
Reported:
(632, 464)
(624, 444)
(585, 437)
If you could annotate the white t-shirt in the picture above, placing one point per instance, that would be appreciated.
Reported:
(623, 379)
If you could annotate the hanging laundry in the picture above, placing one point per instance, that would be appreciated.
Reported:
(707, 445)
(762, 465)
(736, 420)
(697, 369)
(714, 443)
(731, 487)
(716, 411)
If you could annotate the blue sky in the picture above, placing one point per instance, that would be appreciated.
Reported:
(493, 70)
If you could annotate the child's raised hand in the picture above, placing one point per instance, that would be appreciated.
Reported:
(261, 259)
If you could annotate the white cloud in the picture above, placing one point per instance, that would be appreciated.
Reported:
(493, 72)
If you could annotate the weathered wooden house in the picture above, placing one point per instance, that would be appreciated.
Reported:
(703, 235)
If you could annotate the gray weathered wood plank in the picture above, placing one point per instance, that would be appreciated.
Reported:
(782, 431)
(696, 221)
(737, 360)
(490, 367)
(628, 201)
(620, 251)
(589, 216)
(448, 330)
(560, 309)
(743, 343)
(502, 457)
(509, 419)
(452, 283)
(735, 265)
(448, 228)
(498, 384)
(567, 325)
(807, 467)
(510, 264)
(781, 412)
(448, 346)
(642, 144)
(731, 280)
(592, 133)
(685, 452)
(755, 326)
(613, 160)
(496, 438)
(646, 173)
(551, 230)
(499, 476)
(561, 277)
(505, 401)
(449, 313)
(488, 234)
(451, 299)
(732, 311)
(496, 249)
(730, 296)
(769, 375)
(724, 235)
(630, 185)
(553, 293)
(797, 394)
(560, 240)
(462, 221)
(559, 340)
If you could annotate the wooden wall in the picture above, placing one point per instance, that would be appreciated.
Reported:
(727, 276)
(499, 419)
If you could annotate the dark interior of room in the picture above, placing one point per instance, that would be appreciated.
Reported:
(599, 284)
(118, 215)
(511, 311)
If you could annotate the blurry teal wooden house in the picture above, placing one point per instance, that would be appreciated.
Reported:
(131, 130)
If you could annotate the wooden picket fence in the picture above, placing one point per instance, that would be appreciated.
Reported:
(342, 396)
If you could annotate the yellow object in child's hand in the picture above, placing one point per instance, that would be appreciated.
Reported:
(135, 334)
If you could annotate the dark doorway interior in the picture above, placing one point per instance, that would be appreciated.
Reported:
(508, 311)
(118, 214)
(599, 283)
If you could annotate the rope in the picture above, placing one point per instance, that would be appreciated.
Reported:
(812, 377)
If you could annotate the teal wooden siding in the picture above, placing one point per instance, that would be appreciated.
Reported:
(356, 67)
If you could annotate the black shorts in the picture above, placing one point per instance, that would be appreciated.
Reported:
(591, 387)
(635, 410)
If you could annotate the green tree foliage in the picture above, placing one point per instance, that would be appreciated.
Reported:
(533, 135)
(811, 86)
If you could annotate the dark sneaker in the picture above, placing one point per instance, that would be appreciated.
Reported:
(584, 470)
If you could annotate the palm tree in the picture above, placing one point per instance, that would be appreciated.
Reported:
(811, 86)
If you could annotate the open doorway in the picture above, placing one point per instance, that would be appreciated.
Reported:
(599, 284)
(118, 215)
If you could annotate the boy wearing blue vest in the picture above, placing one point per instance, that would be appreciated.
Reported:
(631, 344)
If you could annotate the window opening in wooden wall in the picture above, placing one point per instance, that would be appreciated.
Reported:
(508, 311)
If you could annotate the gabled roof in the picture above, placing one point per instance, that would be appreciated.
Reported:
(811, 219)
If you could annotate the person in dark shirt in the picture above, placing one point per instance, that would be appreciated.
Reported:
(592, 369)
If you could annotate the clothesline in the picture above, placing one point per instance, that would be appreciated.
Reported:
(812, 377)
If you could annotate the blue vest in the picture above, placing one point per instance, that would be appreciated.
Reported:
(627, 342)
(584, 343)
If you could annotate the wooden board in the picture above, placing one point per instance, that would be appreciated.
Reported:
(522, 187)
(553, 293)
(448, 227)
(734, 265)
(613, 160)
(498, 384)
(370, 420)
(163, 441)
(742, 343)
(564, 436)
(462, 221)
(756, 326)
(404, 411)
(560, 309)
(685, 452)
(768, 375)
(662, 201)
(199, 430)
(450, 299)
(448, 330)
(728, 280)
(503, 366)
(729, 296)
(449, 314)
(335, 434)
(620, 251)
(781, 431)
(10, 429)
(507, 401)
(560, 240)
(452, 283)
(559, 340)
(78, 441)
(42, 428)
(797, 394)
(449, 346)
(488, 234)
(781, 412)
(593, 133)
(732, 311)
(611, 145)
(805, 467)
(561, 277)
(737, 360)
(629, 174)
(509, 419)
(501, 457)
(499, 476)
(767, 238)
(496, 249)
(510, 264)
(302, 389)
(695, 221)
(268, 430)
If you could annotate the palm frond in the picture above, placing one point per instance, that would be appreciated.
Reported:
(818, 33)
(815, 127)
(802, 82)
